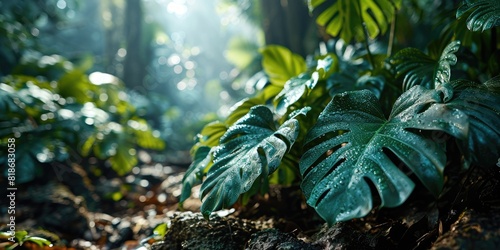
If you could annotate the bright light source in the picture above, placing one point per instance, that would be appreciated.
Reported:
(224, 95)
(181, 85)
(103, 97)
(177, 7)
(99, 78)
(195, 51)
(162, 60)
(122, 52)
(178, 69)
(89, 121)
(162, 197)
(190, 73)
(61, 4)
(174, 59)
(189, 65)
(144, 183)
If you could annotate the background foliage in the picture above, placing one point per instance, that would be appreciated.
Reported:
(55, 110)
(69, 94)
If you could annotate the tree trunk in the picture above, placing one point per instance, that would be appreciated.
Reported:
(134, 65)
(288, 23)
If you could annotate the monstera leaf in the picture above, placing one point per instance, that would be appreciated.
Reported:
(353, 144)
(418, 68)
(482, 14)
(346, 18)
(481, 103)
(251, 149)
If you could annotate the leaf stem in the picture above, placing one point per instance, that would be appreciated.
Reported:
(370, 56)
(391, 34)
(494, 39)
(365, 33)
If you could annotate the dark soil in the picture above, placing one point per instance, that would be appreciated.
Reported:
(466, 216)
(122, 212)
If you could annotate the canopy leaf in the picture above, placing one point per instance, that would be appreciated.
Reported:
(346, 18)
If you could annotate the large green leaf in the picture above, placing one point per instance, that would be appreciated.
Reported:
(353, 144)
(482, 14)
(481, 102)
(418, 68)
(346, 18)
(251, 149)
(280, 64)
(288, 172)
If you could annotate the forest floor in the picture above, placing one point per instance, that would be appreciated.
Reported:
(129, 212)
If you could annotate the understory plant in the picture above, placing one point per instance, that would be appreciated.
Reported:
(18, 238)
(366, 115)
(53, 113)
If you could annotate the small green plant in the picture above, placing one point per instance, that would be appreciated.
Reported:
(21, 237)
(356, 115)
(159, 233)
(55, 111)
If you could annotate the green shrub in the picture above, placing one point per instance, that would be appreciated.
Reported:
(356, 115)
(53, 109)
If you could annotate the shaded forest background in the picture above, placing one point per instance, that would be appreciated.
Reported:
(184, 63)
